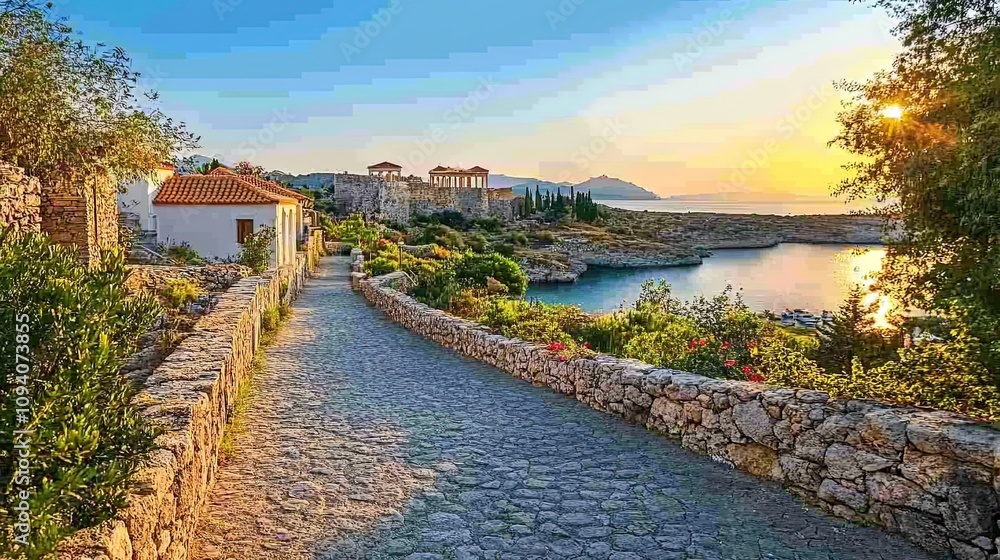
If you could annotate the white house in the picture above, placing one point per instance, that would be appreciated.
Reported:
(214, 213)
(137, 197)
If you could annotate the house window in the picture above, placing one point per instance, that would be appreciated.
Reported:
(244, 229)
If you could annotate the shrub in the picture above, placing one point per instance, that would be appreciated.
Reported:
(182, 255)
(180, 291)
(505, 249)
(270, 320)
(476, 242)
(442, 235)
(256, 251)
(380, 265)
(473, 270)
(518, 239)
(90, 438)
(544, 236)
(491, 224)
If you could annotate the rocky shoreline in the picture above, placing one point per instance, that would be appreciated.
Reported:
(664, 240)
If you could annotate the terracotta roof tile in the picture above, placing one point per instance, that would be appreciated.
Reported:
(275, 188)
(218, 188)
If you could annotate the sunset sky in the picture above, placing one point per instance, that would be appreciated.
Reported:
(678, 97)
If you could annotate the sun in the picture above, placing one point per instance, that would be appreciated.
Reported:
(892, 112)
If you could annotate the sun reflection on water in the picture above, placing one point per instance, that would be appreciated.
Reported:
(860, 267)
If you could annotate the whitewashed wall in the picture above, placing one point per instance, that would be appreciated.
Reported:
(211, 229)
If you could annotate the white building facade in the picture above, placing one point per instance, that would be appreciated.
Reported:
(214, 213)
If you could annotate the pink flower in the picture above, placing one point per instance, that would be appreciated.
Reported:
(562, 358)
(730, 363)
(747, 370)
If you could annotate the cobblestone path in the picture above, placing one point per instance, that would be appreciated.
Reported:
(367, 441)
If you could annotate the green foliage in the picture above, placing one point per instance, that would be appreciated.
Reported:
(206, 168)
(852, 334)
(182, 255)
(491, 224)
(89, 437)
(939, 164)
(256, 250)
(380, 265)
(440, 234)
(71, 108)
(473, 270)
(180, 291)
(477, 242)
(517, 239)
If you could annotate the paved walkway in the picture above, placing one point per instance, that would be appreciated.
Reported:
(367, 441)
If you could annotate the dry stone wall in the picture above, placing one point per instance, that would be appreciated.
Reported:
(929, 475)
(81, 212)
(191, 394)
(152, 279)
(20, 197)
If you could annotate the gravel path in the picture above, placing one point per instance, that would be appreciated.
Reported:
(367, 441)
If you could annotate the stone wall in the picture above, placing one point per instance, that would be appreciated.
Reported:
(191, 394)
(394, 202)
(152, 279)
(81, 212)
(506, 210)
(20, 197)
(929, 475)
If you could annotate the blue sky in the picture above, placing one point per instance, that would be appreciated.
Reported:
(676, 96)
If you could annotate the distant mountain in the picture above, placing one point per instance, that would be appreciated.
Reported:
(609, 188)
(601, 188)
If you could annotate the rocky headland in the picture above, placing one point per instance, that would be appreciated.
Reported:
(629, 239)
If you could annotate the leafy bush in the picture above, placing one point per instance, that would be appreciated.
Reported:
(380, 265)
(473, 270)
(270, 320)
(256, 251)
(476, 242)
(180, 291)
(442, 235)
(90, 438)
(518, 239)
(505, 249)
(491, 224)
(182, 255)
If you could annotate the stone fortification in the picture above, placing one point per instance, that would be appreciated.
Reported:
(397, 201)
(930, 475)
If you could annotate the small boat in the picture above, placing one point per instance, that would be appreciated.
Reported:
(809, 320)
(787, 319)
(799, 313)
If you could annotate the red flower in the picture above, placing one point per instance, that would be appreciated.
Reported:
(725, 345)
(556, 347)
(702, 342)
(562, 358)
(693, 343)
(747, 370)
(730, 363)
(757, 378)
(586, 345)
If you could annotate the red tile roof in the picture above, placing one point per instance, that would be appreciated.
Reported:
(275, 188)
(215, 188)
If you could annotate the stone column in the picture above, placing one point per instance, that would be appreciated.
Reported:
(81, 212)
